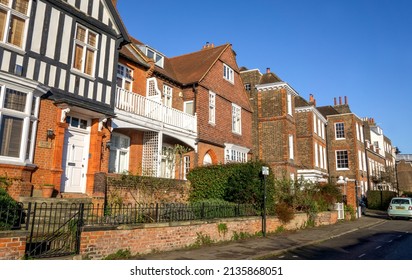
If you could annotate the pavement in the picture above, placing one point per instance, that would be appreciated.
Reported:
(274, 244)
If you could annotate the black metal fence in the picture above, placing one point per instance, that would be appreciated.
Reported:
(52, 214)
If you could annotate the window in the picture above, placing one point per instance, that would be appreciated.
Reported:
(234, 153)
(315, 127)
(18, 122)
(167, 96)
(316, 155)
(289, 103)
(236, 119)
(248, 87)
(119, 153)
(291, 149)
(357, 132)
(342, 160)
(85, 50)
(212, 107)
(188, 107)
(157, 58)
(339, 131)
(207, 159)
(14, 15)
(124, 77)
(228, 73)
(186, 166)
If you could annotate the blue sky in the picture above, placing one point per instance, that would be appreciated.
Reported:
(361, 49)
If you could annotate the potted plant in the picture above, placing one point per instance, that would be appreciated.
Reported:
(47, 190)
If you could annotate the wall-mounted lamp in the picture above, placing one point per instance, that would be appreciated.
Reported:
(50, 133)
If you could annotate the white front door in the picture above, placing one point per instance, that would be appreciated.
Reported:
(75, 158)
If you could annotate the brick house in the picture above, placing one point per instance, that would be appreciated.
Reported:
(195, 101)
(274, 121)
(346, 149)
(311, 141)
(58, 63)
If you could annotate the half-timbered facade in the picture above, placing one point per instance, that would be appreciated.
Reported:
(58, 63)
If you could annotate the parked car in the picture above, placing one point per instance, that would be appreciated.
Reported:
(400, 207)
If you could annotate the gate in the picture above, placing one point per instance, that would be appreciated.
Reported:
(54, 229)
(341, 210)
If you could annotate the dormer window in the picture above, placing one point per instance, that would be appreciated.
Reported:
(158, 58)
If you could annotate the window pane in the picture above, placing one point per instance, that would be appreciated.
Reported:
(112, 161)
(75, 122)
(81, 34)
(21, 6)
(83, 124)
(92, 39)
(77, 63)
(16, 31)
(15, 100)
(150, 54)
(89, 62)
(119, 82)
(10, 136)
(127, 85)
(3, 17)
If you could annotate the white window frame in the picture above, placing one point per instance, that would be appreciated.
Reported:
(212, 107)
(289, 103)
(341, 159)
(228, 74)
(167, 96)
(185, 107)
(291, 147)
(339, 130)
(325, 160)
(29, 118)
(119, 150)
(316, 155)
(12, 12)
(315, 127)
(235, 153)
(125, 74)
(236, 119)
(157, 58)
(186, 166)
(86, 46)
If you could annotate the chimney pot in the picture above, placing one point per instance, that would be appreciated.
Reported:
(268, 70)
(340, 100)
(346, 100)
(334, 101)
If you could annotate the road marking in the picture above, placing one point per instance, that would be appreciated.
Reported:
(390, 241)
(378, 247)
(361, 256)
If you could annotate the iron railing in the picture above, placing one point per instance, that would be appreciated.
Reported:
(50, 217)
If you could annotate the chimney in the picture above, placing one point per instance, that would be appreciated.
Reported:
(267, 70)
(312, 100)
(208, 45)
(114, 2)
(346, 100)
(334, 101)
(340, 100)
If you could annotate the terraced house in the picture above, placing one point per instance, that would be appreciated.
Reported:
(177, 113)
(58, 63)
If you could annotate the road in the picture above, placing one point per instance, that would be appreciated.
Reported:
(390, 240)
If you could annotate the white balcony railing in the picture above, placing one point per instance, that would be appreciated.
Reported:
(142, 106)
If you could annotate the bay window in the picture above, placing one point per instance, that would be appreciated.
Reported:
(18, 121)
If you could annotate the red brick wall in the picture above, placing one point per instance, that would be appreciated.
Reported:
(97, 244)
(12, 245)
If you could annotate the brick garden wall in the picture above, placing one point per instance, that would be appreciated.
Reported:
(12, 245)
(96, 243)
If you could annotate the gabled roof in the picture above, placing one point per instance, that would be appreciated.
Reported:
(191, 68)
(119, 22)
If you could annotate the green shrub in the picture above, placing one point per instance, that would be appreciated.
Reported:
(235, 182)
(119, 255)
(9, 210)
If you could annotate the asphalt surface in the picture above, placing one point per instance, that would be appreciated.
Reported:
(272, 245)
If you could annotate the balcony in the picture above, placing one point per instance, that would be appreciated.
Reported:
(150, 109)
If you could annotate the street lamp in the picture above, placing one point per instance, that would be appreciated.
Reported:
(343, 182)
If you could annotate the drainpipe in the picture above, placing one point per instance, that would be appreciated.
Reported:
(196, 153)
